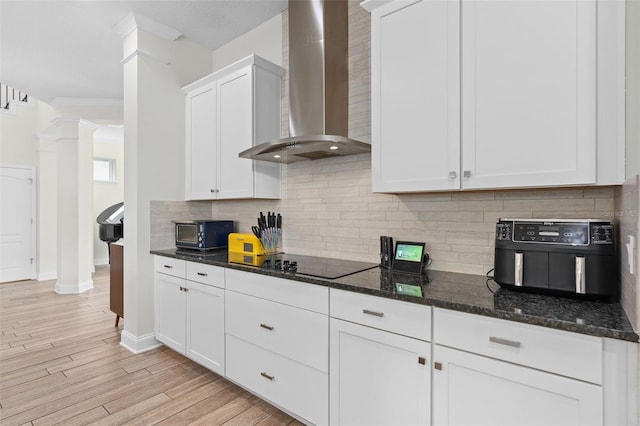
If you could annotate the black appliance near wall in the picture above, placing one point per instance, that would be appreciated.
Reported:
(572, 257)
(111, 225)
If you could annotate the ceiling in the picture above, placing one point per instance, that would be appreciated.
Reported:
(69, 49)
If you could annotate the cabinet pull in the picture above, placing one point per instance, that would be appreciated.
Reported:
(374, 313)
(506, 342)
(212, 190)
(268, 327)
(437, 366)
(422, 360)
(453, 175)
(181, 288)
(467, 173)
(168, 266)
(266, 376)
(202, 274)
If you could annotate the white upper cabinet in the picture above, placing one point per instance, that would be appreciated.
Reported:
(227, 112)
(481, 94)
(415, 87)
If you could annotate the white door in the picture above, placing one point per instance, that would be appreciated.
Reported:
(201, 141)
(415, 93)
(235, 134)
(17, 224)
(205, 325)
(377, 377)
(170, 307)
(528, 93)
(475, 390)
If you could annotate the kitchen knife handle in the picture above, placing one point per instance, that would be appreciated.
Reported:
(581, 285)
(268, 327)
(519, 269)
(506, 342)
(374, 313)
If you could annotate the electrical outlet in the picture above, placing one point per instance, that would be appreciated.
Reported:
(631, 254)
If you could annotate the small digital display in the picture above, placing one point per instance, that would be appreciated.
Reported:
(409, 252)
(549, 228)
(409, 289)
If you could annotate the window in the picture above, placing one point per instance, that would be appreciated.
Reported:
(104, 170)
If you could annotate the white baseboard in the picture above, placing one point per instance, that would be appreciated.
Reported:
(101, 261)
(140, 344)
(46, 276)
(73, 288)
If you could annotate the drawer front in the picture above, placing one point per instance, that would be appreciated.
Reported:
(561, 352)
(286, 383)
(295, 293)
(408, 319)
(292, 332)
(205, 274)
(170, 266)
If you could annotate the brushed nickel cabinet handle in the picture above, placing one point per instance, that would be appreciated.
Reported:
(374, 313)
(168, 266)
(268, 327)
(467, 173)
(437, 366)
(202, 274)
(506, 342)
(453, 175)
(266, 376)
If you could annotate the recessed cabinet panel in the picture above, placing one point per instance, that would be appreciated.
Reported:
(170, 313)
(235, 134)
(201, 151)
(528, 93)
(470, 389)
(415, 110)
(205, 326)
(377, 377)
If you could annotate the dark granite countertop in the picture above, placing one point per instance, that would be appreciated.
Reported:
(461, 292)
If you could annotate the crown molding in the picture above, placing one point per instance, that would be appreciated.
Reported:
(85, 102)
(132, 22)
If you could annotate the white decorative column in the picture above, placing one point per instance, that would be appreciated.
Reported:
(75, 205)
(47, 205)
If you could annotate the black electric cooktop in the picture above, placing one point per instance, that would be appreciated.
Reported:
(312, 266)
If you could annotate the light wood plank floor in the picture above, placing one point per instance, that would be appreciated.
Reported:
(61, 363)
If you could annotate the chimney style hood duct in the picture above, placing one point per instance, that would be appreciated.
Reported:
(318, 87)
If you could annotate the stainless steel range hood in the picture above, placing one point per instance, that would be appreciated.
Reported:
(318, 87)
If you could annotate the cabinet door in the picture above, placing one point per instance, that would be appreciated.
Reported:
(200, 154)
(377, 377)
(471, 389)
(205, 325)
(235, 134)
(415, 96)
(528, 93)
(170, 311)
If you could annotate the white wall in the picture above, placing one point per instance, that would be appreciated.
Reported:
(265, 40)
(154, 153)
(22, 144)
(108, 143)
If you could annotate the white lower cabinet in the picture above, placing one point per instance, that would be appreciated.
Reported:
(299, 389)
(379, 361)
(205, 326)
(377, 377)
(488, 371)
(277, 343)
(171, 307)
(189, 315)
(470, 389)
